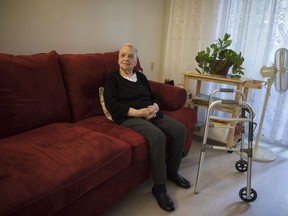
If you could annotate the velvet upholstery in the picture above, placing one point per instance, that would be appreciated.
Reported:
(95, 201)
(52, 169)
(167, 96)
(139, 145)
(32, 92)
(83, 74)
(59, 154)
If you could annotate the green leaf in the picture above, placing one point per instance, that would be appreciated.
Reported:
(198, 70)
(226, 36)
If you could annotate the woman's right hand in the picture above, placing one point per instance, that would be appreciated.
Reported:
(142, 113)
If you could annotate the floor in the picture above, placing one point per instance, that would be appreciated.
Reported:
(218, 189)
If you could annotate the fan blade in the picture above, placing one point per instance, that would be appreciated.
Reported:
(281, 64)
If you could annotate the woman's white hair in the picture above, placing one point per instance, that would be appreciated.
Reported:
(132, 46)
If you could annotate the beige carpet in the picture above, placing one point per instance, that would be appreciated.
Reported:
(219, 188)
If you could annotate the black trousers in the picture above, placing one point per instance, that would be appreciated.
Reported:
(155, 131)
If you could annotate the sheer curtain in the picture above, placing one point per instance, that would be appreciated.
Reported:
(257, 27)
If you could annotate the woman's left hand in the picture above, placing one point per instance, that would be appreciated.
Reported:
(153, 109)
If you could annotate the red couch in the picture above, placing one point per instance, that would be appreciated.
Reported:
(59, 154)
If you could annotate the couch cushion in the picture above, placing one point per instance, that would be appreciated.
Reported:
(140, 146)
(32, 92)
(46, 169)
(83, 74)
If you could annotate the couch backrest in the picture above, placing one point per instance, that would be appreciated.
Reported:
(36, 90)
(32, 92)
(83, 74)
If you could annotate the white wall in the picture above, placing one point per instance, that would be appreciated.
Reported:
(85, 26)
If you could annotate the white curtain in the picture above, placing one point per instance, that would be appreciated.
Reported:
(257, 27)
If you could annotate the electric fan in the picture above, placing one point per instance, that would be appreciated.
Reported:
(277, 74)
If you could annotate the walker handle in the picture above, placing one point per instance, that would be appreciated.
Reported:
(230, 102)
(226, 90)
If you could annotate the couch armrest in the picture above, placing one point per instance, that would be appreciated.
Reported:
(171, 98)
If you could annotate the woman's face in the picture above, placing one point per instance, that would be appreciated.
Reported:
(127, 58)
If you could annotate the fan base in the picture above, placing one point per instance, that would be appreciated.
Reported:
(262, 154)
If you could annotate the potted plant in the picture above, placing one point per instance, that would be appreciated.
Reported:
(218, 59)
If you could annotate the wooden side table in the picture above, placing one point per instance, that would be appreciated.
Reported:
(240, 84)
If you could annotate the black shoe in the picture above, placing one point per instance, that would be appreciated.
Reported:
(164, 201)
(180, 181)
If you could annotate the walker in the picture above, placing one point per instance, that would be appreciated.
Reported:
(247, 193)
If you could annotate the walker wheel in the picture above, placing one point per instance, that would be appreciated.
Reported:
(241, 165)
(243, 195)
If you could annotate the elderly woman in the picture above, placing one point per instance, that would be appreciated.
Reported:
(129, 99)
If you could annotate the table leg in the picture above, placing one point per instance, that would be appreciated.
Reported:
(198, 87)
(235, 111)
(245, 91)
(186, 80)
